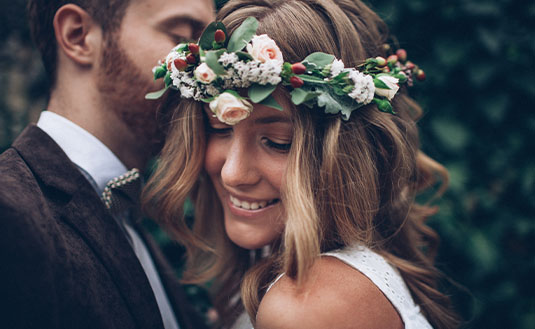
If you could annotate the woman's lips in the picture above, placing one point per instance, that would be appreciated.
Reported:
(250, 207)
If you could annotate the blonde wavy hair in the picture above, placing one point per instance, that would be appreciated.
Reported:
(346, 182)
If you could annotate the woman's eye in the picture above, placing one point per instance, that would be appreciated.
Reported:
(283, 147)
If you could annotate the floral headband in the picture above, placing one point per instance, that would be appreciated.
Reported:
(213, 69)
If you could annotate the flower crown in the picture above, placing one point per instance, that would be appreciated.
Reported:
(214, 68)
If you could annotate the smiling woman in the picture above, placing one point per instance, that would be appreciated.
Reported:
(300, 142)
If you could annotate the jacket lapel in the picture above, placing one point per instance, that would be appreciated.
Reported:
(81, 208)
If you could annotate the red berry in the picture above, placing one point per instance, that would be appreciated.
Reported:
(380, 61)
(296, 82)
(410, 65)
(298, 68)
(219, 36)
(180, 64)
(191, 59)
(420, 75)
(392, 59)
(402, 55)
(193, 48)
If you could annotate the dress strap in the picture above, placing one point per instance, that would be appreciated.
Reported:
(387, 279)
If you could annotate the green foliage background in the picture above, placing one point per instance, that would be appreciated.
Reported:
(479, 100)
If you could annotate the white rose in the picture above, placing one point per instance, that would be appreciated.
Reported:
(264, 49)
(391, 83)
(204, 74)
(229, 109)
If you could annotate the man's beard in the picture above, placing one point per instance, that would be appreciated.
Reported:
(123, 87)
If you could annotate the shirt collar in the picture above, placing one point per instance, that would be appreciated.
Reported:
(82, 148)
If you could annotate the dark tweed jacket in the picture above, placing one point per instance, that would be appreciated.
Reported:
(64, 261)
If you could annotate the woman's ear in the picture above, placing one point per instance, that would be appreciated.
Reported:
(77, 34)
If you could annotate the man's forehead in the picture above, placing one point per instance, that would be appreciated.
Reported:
(200, 11)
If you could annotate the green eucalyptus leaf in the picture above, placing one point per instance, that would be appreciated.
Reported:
(242, 35)
(271, 102)
(300, 96)
(156, 94)
(212, 58)
(257, 92)
(208, 36)
(159, 72)
(319, 59)
(380, 84)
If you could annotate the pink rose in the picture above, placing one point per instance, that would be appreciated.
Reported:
(204, 74)
(264, 49)
(230, 109)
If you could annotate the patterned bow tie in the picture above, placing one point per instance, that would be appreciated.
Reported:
(122, 192)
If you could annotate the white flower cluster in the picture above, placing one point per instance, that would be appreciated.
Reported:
(364, 87)
(241, 74)
(337, 67)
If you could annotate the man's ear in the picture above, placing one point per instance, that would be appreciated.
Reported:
(77, 34)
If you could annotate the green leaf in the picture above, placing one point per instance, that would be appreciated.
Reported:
(384, 105)
(233, 93)
(311, 78)
(380, 84)
(156, 94)
(167, 80)
(319, 59)
(208, 36)
(207, 100)
(299, 96)
(212, 58)
(160, 72)
(271, 102)
(257, 92)
(243, 56)
(242, 35)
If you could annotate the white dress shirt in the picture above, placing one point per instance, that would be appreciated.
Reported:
(98, 163)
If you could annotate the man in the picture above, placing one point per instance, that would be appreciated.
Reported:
(68, 259)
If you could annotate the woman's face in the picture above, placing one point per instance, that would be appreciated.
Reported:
(246, 163)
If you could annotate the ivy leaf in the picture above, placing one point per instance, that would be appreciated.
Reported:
(258, 93)
(156, 94)
(271, 102)
(212, 58)
(242, 35)
(300, 96)
(159, 72)
(319, 59)
(208, 36)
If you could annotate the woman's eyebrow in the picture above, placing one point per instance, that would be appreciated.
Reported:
(272, 119)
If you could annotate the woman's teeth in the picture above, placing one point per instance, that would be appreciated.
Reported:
(250, 205)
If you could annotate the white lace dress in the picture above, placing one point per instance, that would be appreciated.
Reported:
(383, 275)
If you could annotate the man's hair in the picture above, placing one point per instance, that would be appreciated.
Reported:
(107, 13)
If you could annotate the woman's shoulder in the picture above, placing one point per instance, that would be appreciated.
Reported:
(334, 295)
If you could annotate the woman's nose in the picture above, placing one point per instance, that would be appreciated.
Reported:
(239, 169)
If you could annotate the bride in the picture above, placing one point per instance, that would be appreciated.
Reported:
(296, 141)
